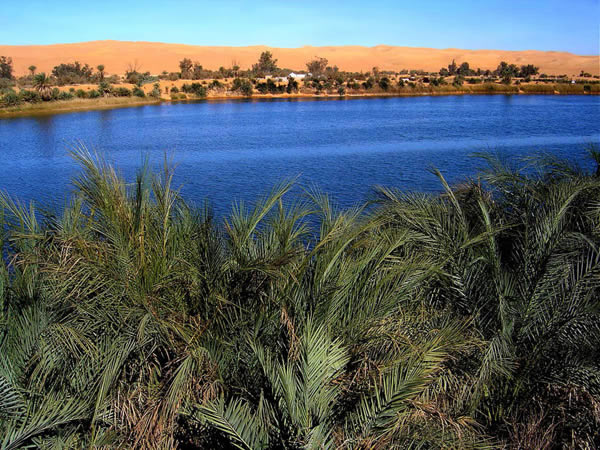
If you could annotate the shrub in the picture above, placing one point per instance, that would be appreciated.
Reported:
(64, 95)
(458, 80)
(155, 93)
(6, 83)
(195, 88)
(30, 96)
(174, 90)
(94, 94)
(104, 88)
(80, 93)
(138, 92)
(122, 92)
(10, 99)
(244, 86)
(292, 86)
(384, 84)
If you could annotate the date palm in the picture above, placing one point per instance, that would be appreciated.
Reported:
(468, 319)
(42, 84)
(101, 72)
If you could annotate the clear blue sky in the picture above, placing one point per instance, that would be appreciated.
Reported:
(569, 25)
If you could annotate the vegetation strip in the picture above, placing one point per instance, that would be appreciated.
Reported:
(73, 81)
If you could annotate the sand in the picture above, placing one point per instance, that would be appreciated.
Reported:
(116, 56)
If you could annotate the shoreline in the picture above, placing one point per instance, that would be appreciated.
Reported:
(82, 105)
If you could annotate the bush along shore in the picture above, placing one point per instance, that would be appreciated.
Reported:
(70, 86)
(468, 319)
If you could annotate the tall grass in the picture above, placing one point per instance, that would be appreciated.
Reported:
(470, 319)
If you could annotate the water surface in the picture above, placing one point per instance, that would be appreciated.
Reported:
(240, 149)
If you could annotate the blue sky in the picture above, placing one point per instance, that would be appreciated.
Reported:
(508, 25)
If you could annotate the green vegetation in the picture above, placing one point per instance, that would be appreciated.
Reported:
(41, 83)
(266, 65)
(194, 88)
(469, 319)
(266, 78)
(72, 73)
(6, 68)
(243, 86)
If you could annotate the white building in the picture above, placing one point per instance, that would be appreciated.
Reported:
(298, 76)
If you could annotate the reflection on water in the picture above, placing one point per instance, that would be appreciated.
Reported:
(239, 149)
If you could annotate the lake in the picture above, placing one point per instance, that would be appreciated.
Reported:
(240, 149)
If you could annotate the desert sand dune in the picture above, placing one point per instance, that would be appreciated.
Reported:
(116, 56)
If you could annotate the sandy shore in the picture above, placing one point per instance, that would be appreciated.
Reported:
(155, 57)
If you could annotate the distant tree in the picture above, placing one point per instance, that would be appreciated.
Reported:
(266, 64)
(101, 71)
(223, 72)
(384, 83)
(505, 69)
(317, 66)
(155, 93)
(247, 89)
(528, 71)
(376, 73)
(244, 86)
(6, 67)
(185, 66)
(41, 83)
(452, 68)
(292, 86)
(138, 92)
(235, 68)
(72, 73)
(133, 67)
(464, 70)
(32, 70)
(197, 71)
(444, 72)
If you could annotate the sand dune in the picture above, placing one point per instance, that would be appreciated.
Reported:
(156, 57)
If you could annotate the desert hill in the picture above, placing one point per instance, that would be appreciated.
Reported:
(154, 57)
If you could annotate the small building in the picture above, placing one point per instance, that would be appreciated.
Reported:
(298, 76)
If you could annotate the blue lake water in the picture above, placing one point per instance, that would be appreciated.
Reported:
(240, 149)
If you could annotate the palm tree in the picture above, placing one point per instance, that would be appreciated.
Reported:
(101, 71)
(469, 319)
(32, 70)
(42, 84)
